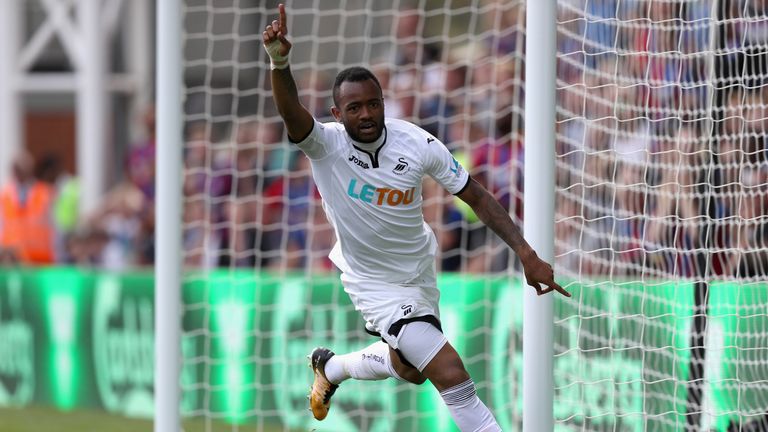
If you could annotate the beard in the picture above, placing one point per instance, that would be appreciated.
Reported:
(364, 136)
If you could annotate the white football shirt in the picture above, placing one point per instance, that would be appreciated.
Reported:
(372, 196)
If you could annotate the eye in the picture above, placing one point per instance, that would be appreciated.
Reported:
(353, 108)
(375, 104)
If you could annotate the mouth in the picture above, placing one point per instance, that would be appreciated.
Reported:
(367, 127)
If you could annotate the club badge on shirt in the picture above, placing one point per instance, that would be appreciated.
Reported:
(401, 167)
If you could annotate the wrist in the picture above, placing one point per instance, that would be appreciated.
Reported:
(276, 59)
(526, 254)
(276, 64)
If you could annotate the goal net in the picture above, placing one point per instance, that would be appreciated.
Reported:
(662, 190)
(660, 211)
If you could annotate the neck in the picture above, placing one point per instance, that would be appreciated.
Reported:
(373, 144)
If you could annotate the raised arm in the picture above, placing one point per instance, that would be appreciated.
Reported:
(298, 121)
(494, 216)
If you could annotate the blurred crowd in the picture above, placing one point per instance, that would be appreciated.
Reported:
(661, 154)
(663, 159)
(41, 222)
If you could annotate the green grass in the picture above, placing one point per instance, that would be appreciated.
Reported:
(39, 419)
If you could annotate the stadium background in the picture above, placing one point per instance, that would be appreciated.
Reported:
(661, 201)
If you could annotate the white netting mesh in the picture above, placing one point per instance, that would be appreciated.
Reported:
(661, 183)
(662, 175)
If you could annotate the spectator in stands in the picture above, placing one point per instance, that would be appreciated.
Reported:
(120, 219)
(85, 247)
(208, 163)
(316, 95)
(262, 156)
(755, 39)
(8, 258)
(409, 57)
(730, 157)
(447, 221)
(140, 169)
(596, 214)
(600, 32)
(196, 158)
(751, 258)
(242, 207)
(442, 96)
(671, 229)
(219, 171)
(496, 162)
(111, 237)
(274, 153)
(750, 233)
(208, 183)
(383, 70)
(140, 165)
(439, 106)
(297, 234)
(26, 227)
(290, 202)
(201, 241)
(631, 140)
(65, 209)
(238, 231)
(504, 22)
(568, 236)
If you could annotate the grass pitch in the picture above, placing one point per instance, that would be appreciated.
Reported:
(44, 419)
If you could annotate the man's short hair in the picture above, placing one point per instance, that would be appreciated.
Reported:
(352, 74)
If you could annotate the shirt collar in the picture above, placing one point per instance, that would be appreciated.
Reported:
(371, 146)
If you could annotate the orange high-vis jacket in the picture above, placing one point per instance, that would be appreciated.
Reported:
(27, 228)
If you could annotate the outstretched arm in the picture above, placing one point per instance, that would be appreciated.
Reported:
(298, 121)
(494, 216)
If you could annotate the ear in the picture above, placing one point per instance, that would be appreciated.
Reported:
(336, 113)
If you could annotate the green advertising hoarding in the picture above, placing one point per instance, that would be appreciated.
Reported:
(72, 338)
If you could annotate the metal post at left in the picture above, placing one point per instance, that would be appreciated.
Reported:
(168, 216)
(92, 107)
(10, 99)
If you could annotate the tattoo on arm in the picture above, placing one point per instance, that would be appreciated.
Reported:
(297, 119)
(495, 217)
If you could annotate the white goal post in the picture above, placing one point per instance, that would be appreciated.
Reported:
(539, 205)
(168, 214)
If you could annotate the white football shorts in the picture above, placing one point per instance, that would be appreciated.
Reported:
(383, 304)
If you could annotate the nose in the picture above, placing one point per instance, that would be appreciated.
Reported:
(365, 114)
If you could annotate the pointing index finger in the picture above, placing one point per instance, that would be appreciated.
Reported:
(559, 289)
(283, 20)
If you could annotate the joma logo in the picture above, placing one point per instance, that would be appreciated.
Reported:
(355, 160)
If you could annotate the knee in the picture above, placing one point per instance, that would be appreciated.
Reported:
(410, 374)
(413, 376)
(446, 369)
(451, 376)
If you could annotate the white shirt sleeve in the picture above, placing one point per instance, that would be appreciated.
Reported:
(320, 142)
(444, 168)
